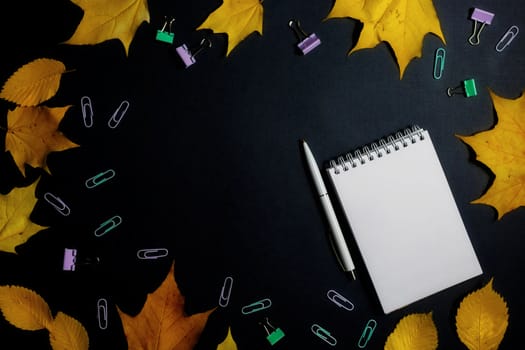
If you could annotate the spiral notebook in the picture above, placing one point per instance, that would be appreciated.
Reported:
(404, 218)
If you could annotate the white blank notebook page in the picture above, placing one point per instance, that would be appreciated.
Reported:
(406, 223)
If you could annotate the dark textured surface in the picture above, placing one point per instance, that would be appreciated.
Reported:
(208, 165)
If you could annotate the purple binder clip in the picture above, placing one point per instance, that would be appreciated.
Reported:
(479, 16)
(70, 259)
(306, 42)
(185, 54)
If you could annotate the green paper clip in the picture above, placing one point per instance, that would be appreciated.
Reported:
(108, 225)
(100, 178)
(257, 306)
(323, 334)
(367, 333)
(439, 63)
(467, 88)
(274, 334)
(163, 35)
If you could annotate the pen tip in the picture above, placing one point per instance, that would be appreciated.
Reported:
(353, 275)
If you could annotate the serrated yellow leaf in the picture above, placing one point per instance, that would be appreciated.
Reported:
(24, 308)
(236, 18)
(66, 333)
(401, 23)
(32, 133)
(414, 332)
(34, 82)
(162, 323)
(228, 343)
(482, 319)
(502, 149)
(15, 225)
(104, 20)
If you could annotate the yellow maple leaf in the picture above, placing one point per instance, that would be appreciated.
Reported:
(414, 332)
(27, 310)
(236, 18)
(502, 149)
(104, 20)
(34, 82)
(401, 23)
(15, 226)
(162, 323)
(482, 319)
(32, 133)
(228, 343)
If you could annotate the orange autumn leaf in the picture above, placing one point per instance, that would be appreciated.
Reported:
(401, 23)
(236, 18)
(15, 225)
(162, 323)
(502, 149)
(104, 20)
(34, 82)
(32, 133)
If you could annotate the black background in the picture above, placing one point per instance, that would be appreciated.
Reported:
(208, 165)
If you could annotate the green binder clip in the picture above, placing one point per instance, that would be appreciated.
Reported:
(467, 88)
(273, 334)
(163, 35)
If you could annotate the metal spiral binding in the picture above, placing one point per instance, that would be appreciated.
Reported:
(384, 146)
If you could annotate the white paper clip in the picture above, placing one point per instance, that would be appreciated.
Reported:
(152, 253)
(226, 290)
(87, 111)
(367, 333)
(102, 313)
(339, 300)
(256, 306)
(323, 334)
(108, 225)
(117, 116)
(57, 203)
(507, 38)
(100, 178)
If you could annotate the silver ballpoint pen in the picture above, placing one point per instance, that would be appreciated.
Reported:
(338, 240)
